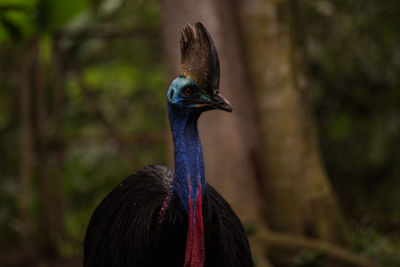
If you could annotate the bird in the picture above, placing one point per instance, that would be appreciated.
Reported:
(162, 216)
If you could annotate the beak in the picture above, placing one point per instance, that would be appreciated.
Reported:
(219, 102)
(216, 101)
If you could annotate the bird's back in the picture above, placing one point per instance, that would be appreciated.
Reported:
(126, 228)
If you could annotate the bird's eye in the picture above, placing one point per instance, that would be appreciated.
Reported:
(188, 91)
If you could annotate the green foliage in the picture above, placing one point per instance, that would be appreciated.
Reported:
(16, 19)
(384, 250)
(309, 259)
(24, 19)
(124, 78)
(52, 15)
(17, 24)
(353, 49)
(355, 78)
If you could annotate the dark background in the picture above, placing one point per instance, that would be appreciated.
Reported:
(82, 105)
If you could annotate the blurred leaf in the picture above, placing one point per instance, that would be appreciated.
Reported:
(13, 30)
(339, 126)
(4, 35)
(55, 14)
(108, 7)
(18, 25)
(18, 3)
(371, 244)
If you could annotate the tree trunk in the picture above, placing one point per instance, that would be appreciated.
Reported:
(57, 79)
(47, 219)
(299, 196)
(26, 147)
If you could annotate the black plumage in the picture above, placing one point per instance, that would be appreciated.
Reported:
(125, 229)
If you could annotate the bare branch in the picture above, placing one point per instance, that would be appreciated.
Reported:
(25, 146)
(107, 34)
(287, 241)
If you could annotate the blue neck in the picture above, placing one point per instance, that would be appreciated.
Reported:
(188, 155)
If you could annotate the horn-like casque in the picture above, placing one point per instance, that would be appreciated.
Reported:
(199, 58)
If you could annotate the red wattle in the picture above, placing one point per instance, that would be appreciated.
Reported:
(195, 253)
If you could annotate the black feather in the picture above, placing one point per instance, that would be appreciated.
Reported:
(124, 229)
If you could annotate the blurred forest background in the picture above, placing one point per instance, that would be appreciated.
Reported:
(308, 159)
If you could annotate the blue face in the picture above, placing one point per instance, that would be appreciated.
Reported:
(185, 92)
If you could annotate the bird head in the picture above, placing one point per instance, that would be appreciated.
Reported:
(197, 86)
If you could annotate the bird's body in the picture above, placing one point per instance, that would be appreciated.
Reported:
(159, 217)
(140, 239)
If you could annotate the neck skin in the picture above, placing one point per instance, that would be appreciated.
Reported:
(189, 180)
(188, 154)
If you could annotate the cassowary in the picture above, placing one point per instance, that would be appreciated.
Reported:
(171, 217)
